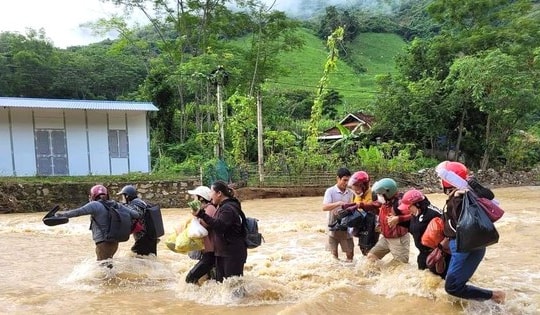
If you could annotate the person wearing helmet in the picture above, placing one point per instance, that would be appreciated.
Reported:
(145, 243)
(393, 223)
(206, 263)
(454, 176)
(365, 227)
(334, 198)
(99, 218)
(422, 211)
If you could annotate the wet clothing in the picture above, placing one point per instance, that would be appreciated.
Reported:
(228, 238)
(462, 264)
(343, 240)
(398, 246)
(201, 268)
(145, 241)
(106, 250)
(461, 269)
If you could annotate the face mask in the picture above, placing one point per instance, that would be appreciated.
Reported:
(381, 199)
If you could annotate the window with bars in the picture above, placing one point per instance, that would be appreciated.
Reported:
(51, 152)
(118, 143)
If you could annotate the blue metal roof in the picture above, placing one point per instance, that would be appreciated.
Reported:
(19, 102)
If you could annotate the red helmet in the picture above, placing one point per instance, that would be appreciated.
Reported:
(359, 177)
(409, 198)
(97, 191)
(455, 167)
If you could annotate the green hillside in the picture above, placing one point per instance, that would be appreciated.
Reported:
(374, 51)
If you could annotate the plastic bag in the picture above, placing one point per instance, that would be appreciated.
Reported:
(181, 243)
(474, 228)
(434, 233)
(196, 230)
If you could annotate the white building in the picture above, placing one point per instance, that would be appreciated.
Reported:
(73, 137)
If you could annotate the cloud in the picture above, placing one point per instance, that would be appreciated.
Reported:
(61, 19)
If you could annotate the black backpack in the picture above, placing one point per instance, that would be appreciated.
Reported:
(119, 228)
(153, 221)
(253, 238)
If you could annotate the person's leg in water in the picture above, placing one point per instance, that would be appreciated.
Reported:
(347, 245)
(106, 250)
(201, 268)
(145, 245)
(333, 246)
(462, 267)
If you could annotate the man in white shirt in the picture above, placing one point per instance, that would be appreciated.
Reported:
(334, 198)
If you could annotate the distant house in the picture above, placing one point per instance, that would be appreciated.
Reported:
(356, 123)
(73, 137)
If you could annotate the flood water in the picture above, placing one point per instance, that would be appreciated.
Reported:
(51, 270)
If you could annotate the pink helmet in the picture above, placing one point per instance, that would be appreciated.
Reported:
(409, 198)
(456, 167)
(359, 177)
(97, 191)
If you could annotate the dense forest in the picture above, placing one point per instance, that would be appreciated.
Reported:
(466, 81)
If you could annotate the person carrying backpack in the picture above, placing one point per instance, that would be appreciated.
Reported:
(145, 240)
(99, 207)
(229, 235)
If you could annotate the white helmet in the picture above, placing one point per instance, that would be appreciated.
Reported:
(201, 191)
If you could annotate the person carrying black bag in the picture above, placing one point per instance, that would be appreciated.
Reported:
(463, 264)
(145, 239)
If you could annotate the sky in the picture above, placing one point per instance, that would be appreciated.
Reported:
(62, 19)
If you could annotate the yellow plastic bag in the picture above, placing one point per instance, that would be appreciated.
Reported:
(181, 243)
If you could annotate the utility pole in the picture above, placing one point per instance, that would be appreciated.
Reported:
(260, 160)
(221, 147)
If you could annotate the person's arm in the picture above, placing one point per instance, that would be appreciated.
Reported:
(404, 217)
(371, 206)
(328, 205)
(88, 208)
(479, 189)
(132, 212)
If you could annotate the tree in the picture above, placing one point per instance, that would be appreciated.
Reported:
(466, 79)
(500, 89)
(317, 108)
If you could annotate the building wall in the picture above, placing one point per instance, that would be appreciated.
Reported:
(77, 144)
(86, 135)
(6, 160)
(22, 135)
